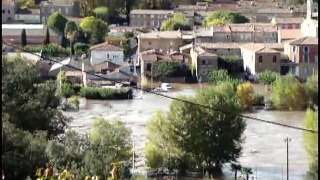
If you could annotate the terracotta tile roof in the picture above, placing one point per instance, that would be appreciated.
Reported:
(290, 34)
(105, 47)
(201, 52)
(219, 45)
(106, 65)
(288, 20)
(259, 48)
(150, 11)
(153, 55)
(161, 34)
(247, 27)
(305, 41)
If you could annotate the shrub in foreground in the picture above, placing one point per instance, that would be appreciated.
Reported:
(106, 93)
(289, 94)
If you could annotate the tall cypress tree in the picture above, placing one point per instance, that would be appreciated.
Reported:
(23, 38)
(47, 38)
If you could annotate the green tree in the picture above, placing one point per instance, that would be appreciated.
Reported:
(195, 128)
(102, 13)
(30, 103)
(247, 171)
(166, 68)
(287, 93)
(154, 4)
(23, 38)
(312, 89)
(110, 142)
(154, 155)
(57, 21)
(216, 76)
(246, 96)
(311, 141)
(21, 150)
(96, 27)
(71, 32)
(179, 21)
(47, 38)
(267, 77)
(224, 17)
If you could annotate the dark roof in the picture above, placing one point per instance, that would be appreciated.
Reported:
(105, 47)
(31, 30)
(106, 65)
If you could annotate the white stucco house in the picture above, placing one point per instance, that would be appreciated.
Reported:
(106, 52)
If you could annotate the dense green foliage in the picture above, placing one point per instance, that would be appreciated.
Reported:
(57, 21)
(179, 21)
(288, 93)
(93, 154)
(311, 141)
(245, 95)
(105, 93)
(30, 117)
(267, 77)
(221, 76)
(81, 48)
(223, 17)
(167, 68)
(216, 76)
(160, 150)
(102, 13)
(97, 29)
(194, 128)
(71, 33)
(312, 89)
(23, 38)
(52, 50)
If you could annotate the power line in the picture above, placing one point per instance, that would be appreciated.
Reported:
(169, 97)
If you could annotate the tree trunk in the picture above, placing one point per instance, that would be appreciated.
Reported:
(235, 174)
(247, 176)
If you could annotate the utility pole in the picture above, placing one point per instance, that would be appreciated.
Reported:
(287, 141)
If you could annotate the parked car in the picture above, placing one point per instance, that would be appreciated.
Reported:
(165, 86)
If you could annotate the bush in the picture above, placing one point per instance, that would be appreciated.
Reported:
(105, 93)
(53, 50)
(312, 89)
(245, 94)
(81, 48)
(216, 76)
(288, 94)
(267, 77)
(66, 90)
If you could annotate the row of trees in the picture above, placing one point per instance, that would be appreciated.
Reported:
(34, 132)
(90, 32)
(24, 38)
(192, 137)
(218, 18)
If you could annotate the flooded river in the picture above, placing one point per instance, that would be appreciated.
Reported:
(264, 148)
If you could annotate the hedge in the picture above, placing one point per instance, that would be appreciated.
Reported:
(53, 50)
(106, 93)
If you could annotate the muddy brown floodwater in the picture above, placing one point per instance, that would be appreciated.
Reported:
(264, 148)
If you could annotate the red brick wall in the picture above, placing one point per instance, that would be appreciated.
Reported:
(313, 52)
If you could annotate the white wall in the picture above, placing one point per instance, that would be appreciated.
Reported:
(98, 57)
(248, 60)
(6, 16)
(308, 28)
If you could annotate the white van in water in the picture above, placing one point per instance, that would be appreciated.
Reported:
(165, 86)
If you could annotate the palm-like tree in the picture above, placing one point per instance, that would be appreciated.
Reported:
(71, 31)
(247, 171)
(235, 168)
